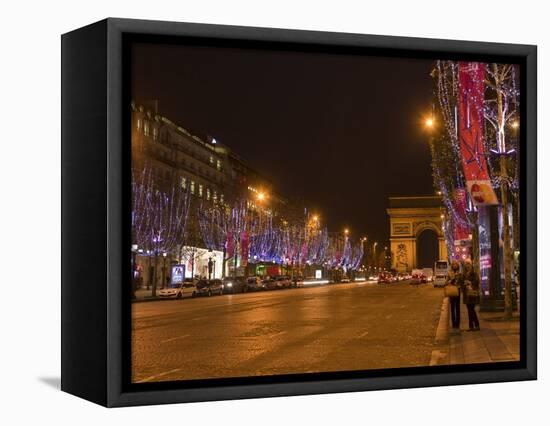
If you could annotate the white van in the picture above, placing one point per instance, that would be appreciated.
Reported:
(441, 269)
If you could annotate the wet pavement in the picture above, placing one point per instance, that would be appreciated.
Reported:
(353, 326)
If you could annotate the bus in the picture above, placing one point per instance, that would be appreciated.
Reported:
(440, 273)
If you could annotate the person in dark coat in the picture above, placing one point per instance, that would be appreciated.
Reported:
(453, 278)
(471, 288)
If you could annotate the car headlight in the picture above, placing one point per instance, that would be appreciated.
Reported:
(229, 284)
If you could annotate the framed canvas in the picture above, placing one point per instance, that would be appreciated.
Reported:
(255, 212)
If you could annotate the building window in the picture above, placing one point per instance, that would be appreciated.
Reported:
(200, 190)
(184, 182)
(155, 133)
(221, 198)
(211, 160)
(218, 165)
(192, 187)
(139, 124)
(146, 128)
(215, 197)
(208, 193)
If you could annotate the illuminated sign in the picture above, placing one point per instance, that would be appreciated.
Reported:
(178, 274)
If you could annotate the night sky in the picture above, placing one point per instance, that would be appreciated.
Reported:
(342, 132)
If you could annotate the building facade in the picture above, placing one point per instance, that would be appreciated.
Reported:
(207, 169)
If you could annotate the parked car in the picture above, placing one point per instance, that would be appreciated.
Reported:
(177, 291)
(209, 287)
(234, 285)
(298, 282)
(283, 281)
(269, 283)
(254, 284)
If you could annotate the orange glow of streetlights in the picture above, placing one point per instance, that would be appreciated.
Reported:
(346, 231)
(429, 123)
(315, 218)
(261, 196)
(515, 124)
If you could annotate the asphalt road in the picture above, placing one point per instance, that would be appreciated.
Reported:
(341, 327)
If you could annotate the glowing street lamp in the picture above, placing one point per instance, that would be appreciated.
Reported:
(429, 123)
(261, 196)
(346, 231)
(164, 269)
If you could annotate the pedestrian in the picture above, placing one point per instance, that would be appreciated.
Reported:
(452, 291)
(471, 296)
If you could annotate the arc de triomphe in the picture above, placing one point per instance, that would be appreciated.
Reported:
(409, 218)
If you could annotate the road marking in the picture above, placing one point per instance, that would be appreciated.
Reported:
(280, 333)
(174, 338)
(364, 334)
(156, 376)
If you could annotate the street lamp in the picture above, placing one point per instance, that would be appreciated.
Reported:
(163, 269)
(210, 264)
(429, 123)
(134, 254)
(133, 278)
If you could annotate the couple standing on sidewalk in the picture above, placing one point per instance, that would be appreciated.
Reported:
(467, 284)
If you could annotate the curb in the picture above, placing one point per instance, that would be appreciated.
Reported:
(442, 332)
(440, 354)
(152, 299)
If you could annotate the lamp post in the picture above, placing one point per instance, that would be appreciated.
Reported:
(150, 270)
(164, 269)
(210, 264)
(134, 254)
(133, 278)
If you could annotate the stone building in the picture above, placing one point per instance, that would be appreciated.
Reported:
(208, 169)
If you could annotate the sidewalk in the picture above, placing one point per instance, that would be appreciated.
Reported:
(144, 295)
(497, 341)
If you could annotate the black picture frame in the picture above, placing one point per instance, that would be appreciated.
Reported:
(95, 212)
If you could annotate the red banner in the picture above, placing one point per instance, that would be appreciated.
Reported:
(229, 246)
(470, 132)
(461, 230)
(244, 248)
